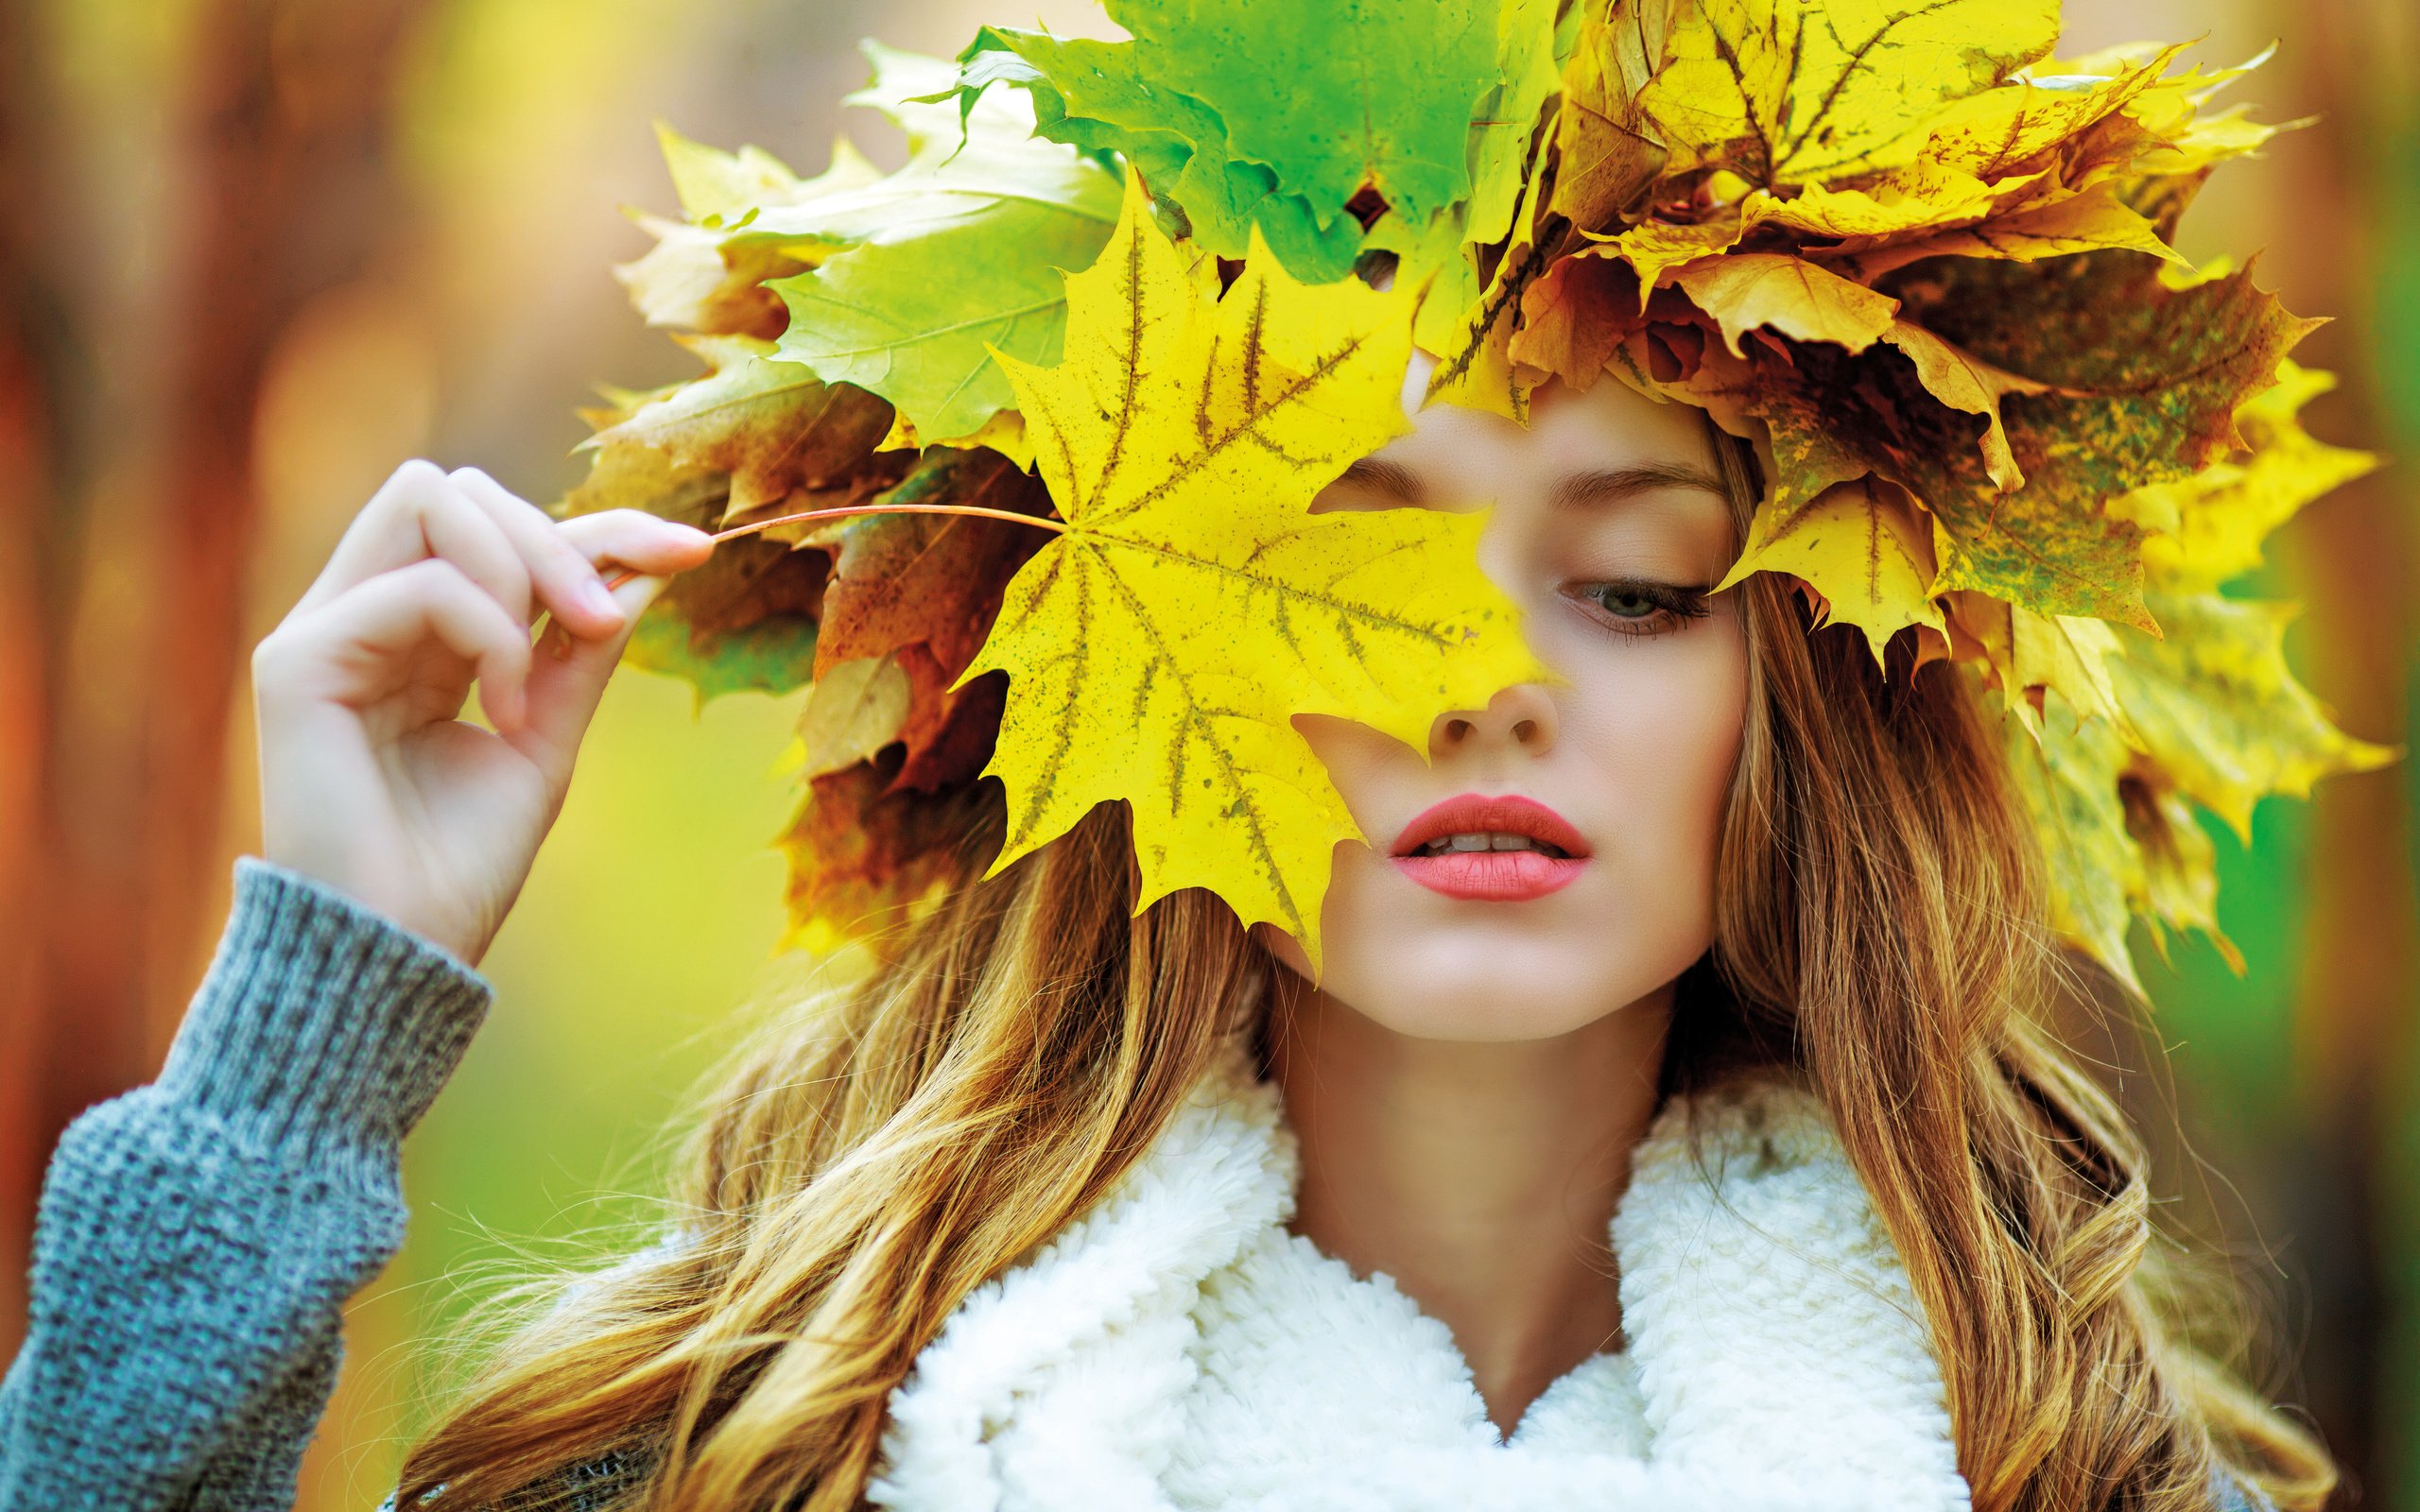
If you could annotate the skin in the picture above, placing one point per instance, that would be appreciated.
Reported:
(369, 781)
(1469, 1078)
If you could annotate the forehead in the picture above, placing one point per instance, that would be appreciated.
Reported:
(1597, 456)
(1455, 452)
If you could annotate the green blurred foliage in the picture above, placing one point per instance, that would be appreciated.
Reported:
(2236, 1032)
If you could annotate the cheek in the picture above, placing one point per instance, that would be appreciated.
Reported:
(1660, 730)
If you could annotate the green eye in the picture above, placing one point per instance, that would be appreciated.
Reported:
(1624, 602)
(1634, 607)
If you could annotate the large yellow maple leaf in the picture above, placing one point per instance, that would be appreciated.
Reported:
(1785, 91)
(1158, 648)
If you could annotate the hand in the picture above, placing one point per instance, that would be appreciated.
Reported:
(370, 782)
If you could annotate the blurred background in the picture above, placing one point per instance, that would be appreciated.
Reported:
(255, 252)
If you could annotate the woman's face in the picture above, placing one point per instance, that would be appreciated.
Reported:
(1609, 522)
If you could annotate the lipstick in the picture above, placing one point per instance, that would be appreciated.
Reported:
(1485, 848)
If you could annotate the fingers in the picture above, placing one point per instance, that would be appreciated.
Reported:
(486, 562)
(568, 676)
(358, 648)
(636, 539)
(563, 579)
(521, 555)
(415, 514)
(567, 682)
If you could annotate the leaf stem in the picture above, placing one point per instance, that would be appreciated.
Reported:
(974, 510)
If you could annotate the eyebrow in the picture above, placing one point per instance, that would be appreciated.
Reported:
(1602, 486)
(1577, 490)
(1379, 475)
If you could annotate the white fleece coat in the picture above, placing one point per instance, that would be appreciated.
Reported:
(1177, 1351)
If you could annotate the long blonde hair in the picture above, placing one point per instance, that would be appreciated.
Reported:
(1880, 927)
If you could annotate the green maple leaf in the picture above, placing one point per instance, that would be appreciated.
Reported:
(771, 655)
(1092, 95)
(1159, 648)
(952, 257)
(1272, 117)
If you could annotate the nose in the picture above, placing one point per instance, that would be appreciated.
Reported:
(1522, 717)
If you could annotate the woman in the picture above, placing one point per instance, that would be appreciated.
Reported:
(1468, 1085)
(1671, 1122)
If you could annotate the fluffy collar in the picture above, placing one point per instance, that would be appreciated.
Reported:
(1777, 1356)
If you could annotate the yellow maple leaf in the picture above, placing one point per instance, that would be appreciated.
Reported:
(1979, 632)
(2212, 524)
(1607, 150)
(1744, 290)
(2179, 866)
(1862, 546)
(1158, 648)
(1988, 133)
(2068, 776)
(2214, 704)
(2206, 141)
(2180, 139)
(1003, 433)
(1476, 368)
(2041, 662)
(1654, 248)
(2066, 656)
(2096, 220)
(2211, 716)
(1922, 196)
(1785, 91)
(1910, 205)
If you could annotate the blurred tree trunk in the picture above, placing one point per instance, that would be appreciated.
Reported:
(29, 377)
(2356, 553)
(284, 190)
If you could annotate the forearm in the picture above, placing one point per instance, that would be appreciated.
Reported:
(197, 1237)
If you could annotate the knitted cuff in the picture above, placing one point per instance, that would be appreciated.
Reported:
(322, 1022)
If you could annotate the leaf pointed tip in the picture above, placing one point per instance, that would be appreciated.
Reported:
(2368, 756)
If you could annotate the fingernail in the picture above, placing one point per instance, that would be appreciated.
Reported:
(594, 595)
(636, 594)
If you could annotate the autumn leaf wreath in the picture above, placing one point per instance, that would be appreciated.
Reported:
(1927, 267)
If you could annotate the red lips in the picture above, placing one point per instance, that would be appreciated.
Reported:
(1491, 876)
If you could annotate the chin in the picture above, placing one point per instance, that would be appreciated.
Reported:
(1471, 1003)
(1433, 968)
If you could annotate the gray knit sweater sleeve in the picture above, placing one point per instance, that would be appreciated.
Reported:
(197, 1237)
